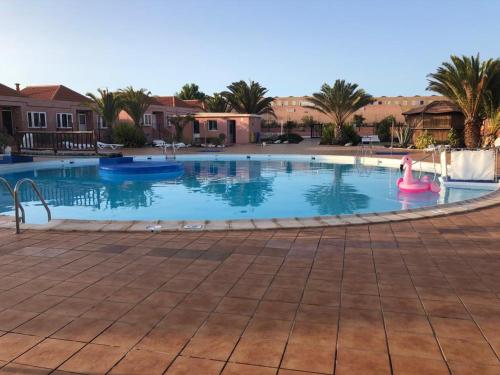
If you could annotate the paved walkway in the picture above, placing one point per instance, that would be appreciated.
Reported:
(417, 297)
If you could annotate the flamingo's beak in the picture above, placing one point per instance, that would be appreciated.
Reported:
(401, 167)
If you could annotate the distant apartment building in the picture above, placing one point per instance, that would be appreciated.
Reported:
(295, 108)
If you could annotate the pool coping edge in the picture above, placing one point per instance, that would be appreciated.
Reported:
(71, 225)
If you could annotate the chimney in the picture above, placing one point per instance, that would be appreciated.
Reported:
(17, 87)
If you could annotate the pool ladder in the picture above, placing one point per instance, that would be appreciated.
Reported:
(17, 204)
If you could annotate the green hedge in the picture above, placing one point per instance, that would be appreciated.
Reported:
(128, 135)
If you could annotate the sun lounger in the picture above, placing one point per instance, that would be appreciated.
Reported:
(112, 146)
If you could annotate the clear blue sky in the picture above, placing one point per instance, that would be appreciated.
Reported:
(291, 47)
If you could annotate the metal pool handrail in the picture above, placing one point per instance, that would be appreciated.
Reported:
(11, 191)
(17, 204)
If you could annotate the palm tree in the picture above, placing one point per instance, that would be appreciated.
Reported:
(339, 102)
(492, 113)
(179, 123)
(107, 105)
(249, 97)
(464, 81)
(135, 103)
(216, 103)
(190, 91)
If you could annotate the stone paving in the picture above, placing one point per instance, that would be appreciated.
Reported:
(413, 297)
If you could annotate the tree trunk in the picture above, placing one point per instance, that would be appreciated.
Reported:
(338, 133)
(472, 132)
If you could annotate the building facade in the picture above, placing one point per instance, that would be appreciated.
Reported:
(45, 108)
(57, 108)
(295, 108)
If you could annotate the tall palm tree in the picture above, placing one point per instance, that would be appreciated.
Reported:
(190, 91)
(107, 105)
(339, 102)
(135, 103)
(464, 81)
(492, 113)
(216, 103)
(249, 97)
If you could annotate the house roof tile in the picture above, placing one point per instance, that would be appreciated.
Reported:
(436, 107)
(53, 92)
(7, 91)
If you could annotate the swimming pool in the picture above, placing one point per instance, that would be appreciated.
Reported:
(220, 188)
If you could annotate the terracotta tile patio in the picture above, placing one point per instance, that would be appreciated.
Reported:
(415, 297)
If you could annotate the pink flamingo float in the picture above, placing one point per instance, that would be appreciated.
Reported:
(408, 184)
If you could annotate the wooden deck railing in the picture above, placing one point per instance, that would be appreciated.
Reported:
(57, 141)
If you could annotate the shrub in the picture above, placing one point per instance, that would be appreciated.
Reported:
(328, 134)
(128, 135)
(424, 140)
(455, 138)
(289, 125)
(404, 134)
(291, 138)
(5, 140)
(349, 135)
(383, 129)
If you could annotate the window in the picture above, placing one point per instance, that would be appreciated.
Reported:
(307, 104)
(64, 120)
(379, 103)
(148, 120)
(212, 125)
(37, 120)
(82, 119)
(100, 123)
(421, 102)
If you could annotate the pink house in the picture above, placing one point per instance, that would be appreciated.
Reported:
(155, 122)
(55, 108)
(45, 108)
(238, 128)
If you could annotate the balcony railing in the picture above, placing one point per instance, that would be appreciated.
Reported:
(76, 141)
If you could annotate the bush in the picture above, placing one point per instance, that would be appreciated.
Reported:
(349, 135)
(291, 138)
(455, 138)
(5, 140)
(383, 129)
(328, 134)
(128, 135)
(289, 126)
(404, 134)
(424, 140)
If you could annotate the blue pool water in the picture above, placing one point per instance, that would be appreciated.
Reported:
(216, 190)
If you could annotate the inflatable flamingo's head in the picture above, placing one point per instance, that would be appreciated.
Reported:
(406, 160)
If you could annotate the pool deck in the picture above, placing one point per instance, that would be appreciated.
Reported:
(415, 297)
(418, 296)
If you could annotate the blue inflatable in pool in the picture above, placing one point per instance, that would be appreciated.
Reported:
(127, 167)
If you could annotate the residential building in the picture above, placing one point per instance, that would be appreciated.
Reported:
(295, 108)
(237, 128)
(155, 123)
(45, 108)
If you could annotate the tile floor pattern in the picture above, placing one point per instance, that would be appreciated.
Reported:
(417, 297)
